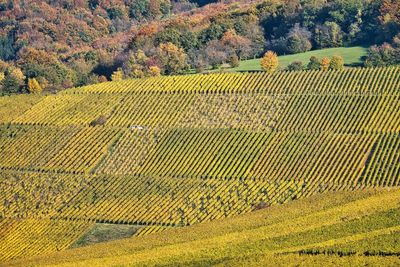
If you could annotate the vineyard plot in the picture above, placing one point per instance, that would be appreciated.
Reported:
(143, 110)
(71, 109)
(130, 151)
(147, 200)
(205, 153)
(164, 152)
(31, 147)
(240, 111)
(30, 237)
(37, 195)
(71, 149)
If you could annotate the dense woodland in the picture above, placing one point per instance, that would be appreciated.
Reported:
(51, 45)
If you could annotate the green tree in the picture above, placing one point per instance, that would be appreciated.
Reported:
(298, 40)
(328, 35)
(295, 66)
(314, 64)
(11, 85)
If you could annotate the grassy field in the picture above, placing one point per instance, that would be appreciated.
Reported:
(351, 55)
(304, 232)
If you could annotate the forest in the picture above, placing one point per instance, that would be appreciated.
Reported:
(55, 45)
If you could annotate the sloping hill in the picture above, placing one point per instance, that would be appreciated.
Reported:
(353, 229)
(176, 151)
(352, 57)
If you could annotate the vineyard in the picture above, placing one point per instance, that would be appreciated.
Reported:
(180, 150)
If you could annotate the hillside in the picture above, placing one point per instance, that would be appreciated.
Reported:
(352, 56)
(176, 151)
(65, 44)
(347, 229)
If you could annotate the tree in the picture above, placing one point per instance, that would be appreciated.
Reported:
(215, 54)
(380, 56)
(17, 73)
(11, 85)
(136, 64)
(295, 66)
(298, 40)
(34, 87)
(154, 71)
(39, 63)
(325, 62)
(235, 44)
(234, 61)
(117, 75)
(102, 79)
(328, 35)
(314, 64)
(270, 62)
(390, 11)
(337, 63)
(172, 58)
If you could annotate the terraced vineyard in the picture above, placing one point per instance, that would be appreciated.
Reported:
(175, 151)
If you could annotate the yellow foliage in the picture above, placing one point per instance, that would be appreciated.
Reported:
(117, 75)
(270, 62)
(17, 73)
(34, 87)
(337, 63)
(154, 71)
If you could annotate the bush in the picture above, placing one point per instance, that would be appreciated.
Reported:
(337, 63)
(295, 66)
(234, 61)
(314, 64)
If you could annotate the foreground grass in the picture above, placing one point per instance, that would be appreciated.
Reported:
(351, 55)
(277, 236)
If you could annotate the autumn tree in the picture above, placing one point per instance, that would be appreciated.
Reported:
(34, 86)
(172, 58)
(235, 45)
(135, 67)
(270, 62)
(325, 63)
(390, 11)
(39, 63)
(117, 75)
(337, 63)
(154, 71)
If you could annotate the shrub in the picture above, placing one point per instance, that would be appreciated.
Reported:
(337, 63)
(295, 66)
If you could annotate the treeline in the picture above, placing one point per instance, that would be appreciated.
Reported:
(49, 45)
